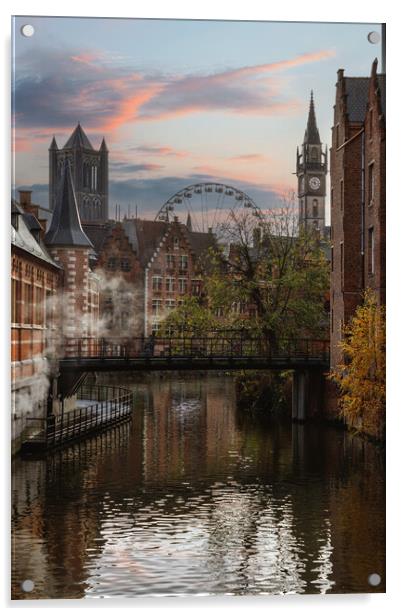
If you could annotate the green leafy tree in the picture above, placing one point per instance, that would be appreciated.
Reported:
(263, 276)
(361, 374)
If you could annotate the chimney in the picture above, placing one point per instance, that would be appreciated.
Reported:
(25, 197)
(176, 219)
(43, 224)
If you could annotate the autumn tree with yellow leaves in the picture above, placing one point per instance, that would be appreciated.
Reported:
(361, 375)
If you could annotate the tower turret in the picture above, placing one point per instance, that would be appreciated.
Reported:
(311, 171)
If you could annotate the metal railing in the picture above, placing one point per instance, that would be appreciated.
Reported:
(107, 405)
(218, 346)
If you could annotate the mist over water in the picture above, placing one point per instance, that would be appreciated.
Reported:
(195, 497)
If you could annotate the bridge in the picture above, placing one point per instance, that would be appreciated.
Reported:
(228, 352)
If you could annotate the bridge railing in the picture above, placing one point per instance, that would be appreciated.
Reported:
(195, 347)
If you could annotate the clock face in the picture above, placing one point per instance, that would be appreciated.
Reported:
(314, 183)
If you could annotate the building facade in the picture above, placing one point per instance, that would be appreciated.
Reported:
(357, 198)
(89, 169)
(311, 171)
(35, 282)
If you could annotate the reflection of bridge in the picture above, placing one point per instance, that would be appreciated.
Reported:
(230, 352)
(309, 359)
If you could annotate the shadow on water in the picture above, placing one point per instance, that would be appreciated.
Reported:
(195, 497)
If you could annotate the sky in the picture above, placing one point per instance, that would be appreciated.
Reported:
(178, 101)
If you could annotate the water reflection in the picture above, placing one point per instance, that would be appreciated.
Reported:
(194, 497)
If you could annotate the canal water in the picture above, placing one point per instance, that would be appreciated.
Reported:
(195, 497)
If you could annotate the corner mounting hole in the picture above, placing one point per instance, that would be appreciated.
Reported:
(27, 585)
(373, 37)
(27, 30)
(374, 579)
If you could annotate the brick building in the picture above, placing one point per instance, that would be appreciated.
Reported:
(120, 275)
(170, 257)
(71, 248)
(35, 280)
(357, 197)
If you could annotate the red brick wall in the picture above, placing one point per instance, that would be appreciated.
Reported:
(174, 243)
(32, 282)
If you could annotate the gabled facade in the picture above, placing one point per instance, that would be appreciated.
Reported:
(357, 198)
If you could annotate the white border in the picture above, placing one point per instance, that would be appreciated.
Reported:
(291, 10)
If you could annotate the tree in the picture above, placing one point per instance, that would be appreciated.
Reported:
(361, 375)
(262, 276)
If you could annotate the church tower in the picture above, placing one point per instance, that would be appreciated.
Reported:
(89, 170)
(311, 171)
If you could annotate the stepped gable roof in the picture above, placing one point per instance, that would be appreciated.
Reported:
(22, 237)
(65, 227)
(145, 236)
(78, 139)
(356, 90)
(201, 242)
(98, 234)
(311, 135)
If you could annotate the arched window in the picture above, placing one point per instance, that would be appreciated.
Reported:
(85, 209)
(94, 178)
(315, 208)
(86, 173)
(314, 154)
(96, 208)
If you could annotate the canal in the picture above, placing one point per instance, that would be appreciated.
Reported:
(196, 497)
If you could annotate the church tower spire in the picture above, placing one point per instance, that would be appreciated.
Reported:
(311, 171)
(89, 170)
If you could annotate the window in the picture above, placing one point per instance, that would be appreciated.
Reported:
(371, 250)
(180, 302)
(14, 301)
(157, 284)
(169, 284)
(176, 243)
(94, 178)
(371, 183)
(342, 262)
(196, 287)
(155, 327)
(125, 264)
(314, 154)
(112, 263)
(183, 262)
(156, 306)
(170, 261)
(341, 195)
(27, 303)
(182, 285)
(39, 296)
(170, 304)
(315, 208)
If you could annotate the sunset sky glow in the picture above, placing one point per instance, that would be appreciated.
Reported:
(179, 101)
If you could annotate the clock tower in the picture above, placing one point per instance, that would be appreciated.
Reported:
(311, 171)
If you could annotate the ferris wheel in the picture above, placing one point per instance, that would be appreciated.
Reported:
(207, 205)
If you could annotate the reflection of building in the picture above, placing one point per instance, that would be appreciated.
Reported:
(357, 197)
(311, 170)
(35, 279)
(89, 170)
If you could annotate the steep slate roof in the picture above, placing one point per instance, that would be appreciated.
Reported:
(145, 236)
(78, 139)
(65, 228)
(356, 89)
(311, 134)
(98, 234)
(22, 237)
